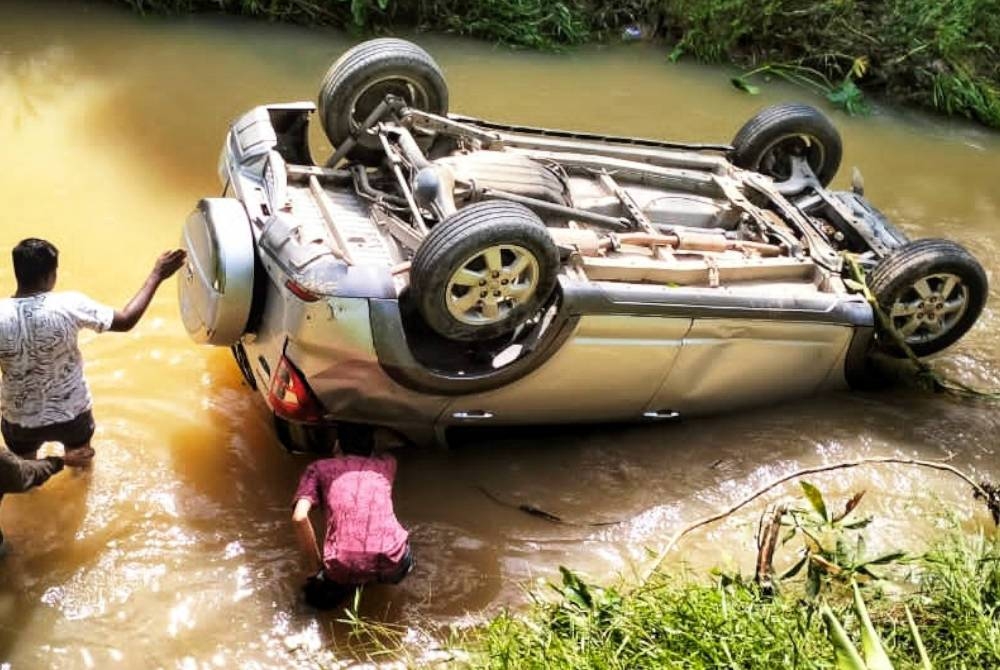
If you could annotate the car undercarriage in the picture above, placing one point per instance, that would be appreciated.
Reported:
(477, 251)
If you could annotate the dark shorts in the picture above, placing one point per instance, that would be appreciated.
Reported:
(323, 593)
(72, 434)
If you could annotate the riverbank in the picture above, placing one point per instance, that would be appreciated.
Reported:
(730, 622)
(940, 56)
(821, 598)
(814, 570)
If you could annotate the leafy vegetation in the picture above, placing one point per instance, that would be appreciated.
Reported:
(838, 606)
(872, 655)
(941, 54)
(673, 621)
(539, 24)
(533, 23)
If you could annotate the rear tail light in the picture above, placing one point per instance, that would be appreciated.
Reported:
(290, 397)
(300, 291)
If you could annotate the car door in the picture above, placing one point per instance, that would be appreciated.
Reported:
(607, 370)
(728, 363)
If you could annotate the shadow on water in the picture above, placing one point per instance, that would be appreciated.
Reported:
(30, 81)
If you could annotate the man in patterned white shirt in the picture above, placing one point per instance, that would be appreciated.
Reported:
(43, 394)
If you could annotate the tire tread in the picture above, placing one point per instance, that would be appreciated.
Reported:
(353, 67)
(778, 119)
(923, 257)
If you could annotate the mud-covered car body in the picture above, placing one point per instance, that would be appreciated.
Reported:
(443, 271)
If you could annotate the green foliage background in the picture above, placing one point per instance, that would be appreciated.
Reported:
(941, 54)
(935, 53)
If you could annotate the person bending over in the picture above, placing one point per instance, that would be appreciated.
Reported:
(18, 475)
(44, 396)
(364, 541)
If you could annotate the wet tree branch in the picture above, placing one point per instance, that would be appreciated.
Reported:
(986, 492)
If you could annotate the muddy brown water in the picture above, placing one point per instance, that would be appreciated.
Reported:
(176, 550)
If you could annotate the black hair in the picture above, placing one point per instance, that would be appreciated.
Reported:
(34, 260)
(357, 439)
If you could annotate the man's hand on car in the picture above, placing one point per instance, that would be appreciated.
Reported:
(168, 263)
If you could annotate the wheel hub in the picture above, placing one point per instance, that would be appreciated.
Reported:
(490, 284)
(929, 308)
(776, 159)
(368, 98)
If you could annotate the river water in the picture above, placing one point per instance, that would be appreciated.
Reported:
(176, 549)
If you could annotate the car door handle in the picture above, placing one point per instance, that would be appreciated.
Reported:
(473, 414)
(662, 415)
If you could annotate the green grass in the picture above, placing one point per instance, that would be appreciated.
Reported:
(835, 596)
(958, 605)
(671, 622)
(675, 621)
(533, 23)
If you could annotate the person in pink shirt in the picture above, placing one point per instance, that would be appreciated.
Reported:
(364, 541)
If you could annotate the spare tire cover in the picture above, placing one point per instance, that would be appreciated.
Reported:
(215, 289)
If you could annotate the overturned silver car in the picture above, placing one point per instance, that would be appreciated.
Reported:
(440, 270)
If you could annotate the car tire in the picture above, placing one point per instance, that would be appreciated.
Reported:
(484, 270)
(766, 142)
(932, 292)
(243, 363)
(360, 79)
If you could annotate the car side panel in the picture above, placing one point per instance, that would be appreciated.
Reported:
(730, 363)
(607, 371)
(330, 342)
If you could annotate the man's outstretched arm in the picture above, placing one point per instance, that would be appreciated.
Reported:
(305, 534)
(167, 264)
(17, 475)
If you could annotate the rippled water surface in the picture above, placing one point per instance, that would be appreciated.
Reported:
(177, 551)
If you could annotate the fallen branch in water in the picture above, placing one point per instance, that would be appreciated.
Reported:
(767, 542)
(986, 491)
(542, 514)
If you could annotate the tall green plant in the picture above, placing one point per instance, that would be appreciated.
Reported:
(833, 548)
(872, 655)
